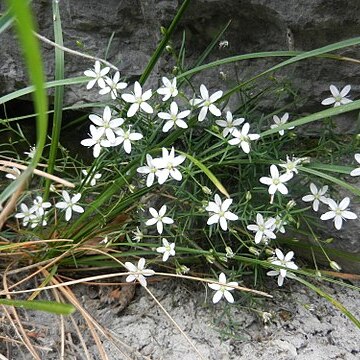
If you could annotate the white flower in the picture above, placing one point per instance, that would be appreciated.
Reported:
(138, 100)
(316, 196)
(167, 249)
(39, 206)
(242, 138)
(276, 181)
(25, 214)
(338, 97)
(221, 213)
(31, 152)
(284, 261)
(223, 289)
(356, 172)
(92, 178)
(113, 85)
(169, 89)
(69, 205)
(38, 219)
(14, 174)
(291, 164)
(94, 140)
(159, 219)
(105, 124)
(279, 224)
(125, 138)
(174, 118)
(279, 122)
(167, 164)
(149, 169)
(138, 272)
(229, 124)
(97, 74)
(207, 102)
(262, 228)
(338, 212)
(138, 235)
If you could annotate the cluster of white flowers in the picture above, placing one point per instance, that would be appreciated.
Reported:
(108, 133)
(36, 214)
(163, 167)
(337, 211)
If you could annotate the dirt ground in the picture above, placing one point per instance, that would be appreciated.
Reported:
(303, 326)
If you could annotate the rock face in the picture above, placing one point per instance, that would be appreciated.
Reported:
(256, 25)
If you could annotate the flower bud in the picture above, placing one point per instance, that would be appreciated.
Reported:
(254, 251)
(163, 30)
(290, 204)
(169, 48)
(206, 190)
(248, 196)
(335, 266)
(229, 252)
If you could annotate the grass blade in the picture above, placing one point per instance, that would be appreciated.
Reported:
(39, 305)
(59, 95)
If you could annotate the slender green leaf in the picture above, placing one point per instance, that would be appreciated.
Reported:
(59, 95)
(328, 177)
(207, 172)
(156, 55)
(39, 305)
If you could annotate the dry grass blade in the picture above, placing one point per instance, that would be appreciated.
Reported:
(81, 339)
(17, 325)
(2, 357)
(175, 323)
(10, 205)
(91, 323)
(62, 326)
(7, 164)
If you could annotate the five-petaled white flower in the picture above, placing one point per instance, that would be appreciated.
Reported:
(25, 214)
(138, 272)
(221, 213)
(338, 97)
(291, 164)
(356, 172)
(167, 164)
(159, 219)
(97, 74)
(276, 181)
(39, 206)
(138, 100)
(281, 121)
(280, 224)
(223, 289)
(168, 89)
(167, 249)
(13, 175)
(37, 219)
(94, 140)
(285, 261)
(69, 204)
(316, 196)
(105, 125)
(125, 138)
(138, 235)
(262, 228)
(207, 102)
(150, 169)
(338, 212)
(229, 124)
(92, 178)
(242, 138)
(113, 85)
(174, 118)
